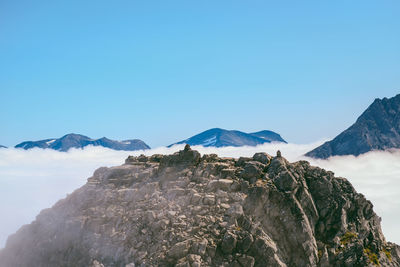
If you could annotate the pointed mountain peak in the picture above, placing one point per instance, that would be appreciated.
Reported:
(378, 128)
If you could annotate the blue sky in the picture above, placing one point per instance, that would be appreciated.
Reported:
(162, 71)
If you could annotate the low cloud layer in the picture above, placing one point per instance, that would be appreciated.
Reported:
(35, 179)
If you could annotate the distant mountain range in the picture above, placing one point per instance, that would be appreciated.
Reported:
(79, 141)
(378, 128)
(2, 146)
(217, 137)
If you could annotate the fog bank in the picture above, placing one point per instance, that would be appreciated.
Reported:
(35, 179)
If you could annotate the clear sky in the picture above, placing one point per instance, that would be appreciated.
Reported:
(162, 71)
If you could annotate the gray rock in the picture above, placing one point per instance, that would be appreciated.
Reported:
(194, 260)
(252, 170)
(209, 199)
(199, 248)
(246, 242)
(262, 157)
(285, 181)
(179, 250)
(246, 260)
(235, 210)
(222, 184)
(242, 160)
(182, 158)
(195, 198)
(228, 243)
(97, 264)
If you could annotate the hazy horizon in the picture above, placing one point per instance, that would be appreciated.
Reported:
(44, 176)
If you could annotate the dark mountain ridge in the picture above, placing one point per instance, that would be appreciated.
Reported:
(378, 128)
(80, 141)
(218, 137)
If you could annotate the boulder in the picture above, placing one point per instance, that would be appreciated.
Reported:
(285, 181)
(179, 250)
(246, 260)
(222, 184)
(252, 170)
(228, 243)
(262, 157)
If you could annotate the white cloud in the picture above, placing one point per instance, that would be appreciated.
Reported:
(35, 179)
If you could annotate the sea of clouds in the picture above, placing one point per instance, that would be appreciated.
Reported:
(35, 179)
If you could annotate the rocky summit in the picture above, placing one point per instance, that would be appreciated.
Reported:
(186, 209)
(378, 128)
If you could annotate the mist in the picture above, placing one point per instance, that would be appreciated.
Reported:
(31, 180)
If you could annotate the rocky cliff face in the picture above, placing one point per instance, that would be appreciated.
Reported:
(378, 128)
(191, 210)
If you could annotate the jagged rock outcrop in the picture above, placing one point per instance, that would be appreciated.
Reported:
(191, 210)
(378, 128)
